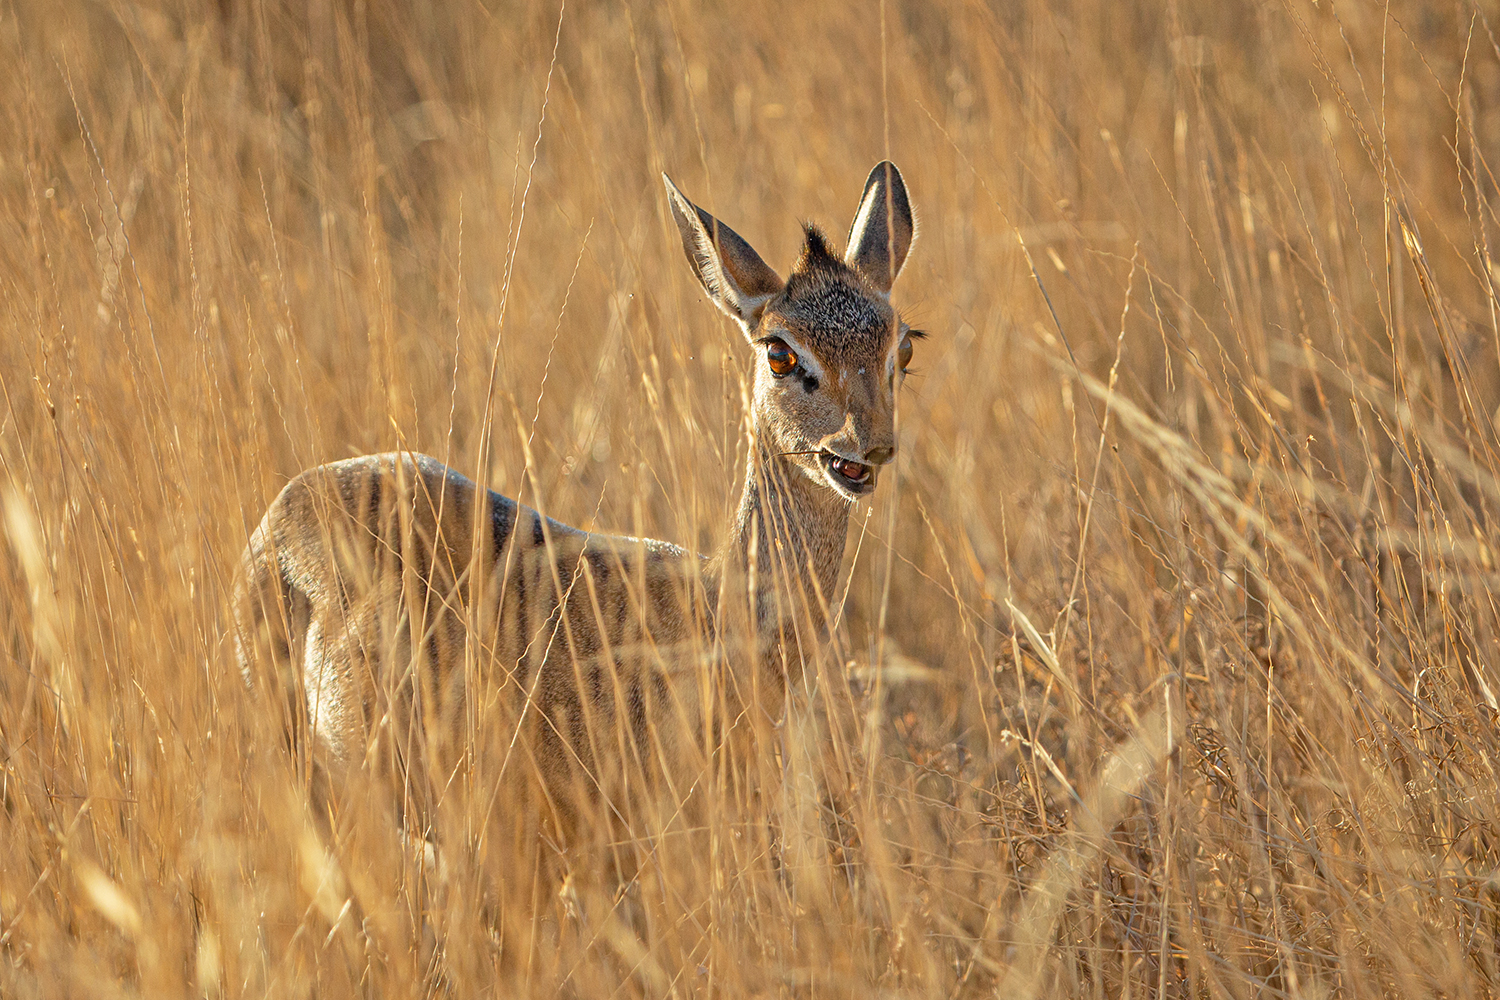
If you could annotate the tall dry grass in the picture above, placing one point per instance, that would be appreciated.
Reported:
(1168, 661)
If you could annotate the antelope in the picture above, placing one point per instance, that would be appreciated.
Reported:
(402, 613)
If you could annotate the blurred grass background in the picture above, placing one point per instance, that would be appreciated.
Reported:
(1186, 684)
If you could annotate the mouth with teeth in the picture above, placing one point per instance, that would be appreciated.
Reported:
(850, 477)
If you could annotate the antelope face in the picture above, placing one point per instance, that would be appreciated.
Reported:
(832, 351)
(833, 354)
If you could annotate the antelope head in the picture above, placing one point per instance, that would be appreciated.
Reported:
(832, 350)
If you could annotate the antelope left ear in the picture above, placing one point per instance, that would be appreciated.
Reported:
(734, 275)
(883, 229)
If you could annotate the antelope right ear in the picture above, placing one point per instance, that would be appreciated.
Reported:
(732, 273)
(883, 227)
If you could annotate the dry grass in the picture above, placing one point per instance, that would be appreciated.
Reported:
(1186, 681)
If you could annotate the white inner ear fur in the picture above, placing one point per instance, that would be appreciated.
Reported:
(750, 305)
(746, 312)
(862, 220)
(876, 196)
(722, 290)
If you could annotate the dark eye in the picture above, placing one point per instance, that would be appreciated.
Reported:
(903, 354)
(781, 358)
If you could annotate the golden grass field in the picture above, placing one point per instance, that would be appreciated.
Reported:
(1168, 659)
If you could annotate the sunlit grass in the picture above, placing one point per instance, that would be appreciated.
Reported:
(1186, 675)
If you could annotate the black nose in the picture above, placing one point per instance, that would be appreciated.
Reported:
(880, 456)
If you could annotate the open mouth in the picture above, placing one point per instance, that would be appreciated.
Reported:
(852, 477)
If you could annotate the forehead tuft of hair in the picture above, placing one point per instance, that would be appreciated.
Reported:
(816, 254)
(829, 303)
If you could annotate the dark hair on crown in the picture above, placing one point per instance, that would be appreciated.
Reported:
(816, 254)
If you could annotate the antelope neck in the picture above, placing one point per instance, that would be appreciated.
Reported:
(792, 530)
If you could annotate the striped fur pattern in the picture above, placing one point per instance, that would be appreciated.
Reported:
(401, 615)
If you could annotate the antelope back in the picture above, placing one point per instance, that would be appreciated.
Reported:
(425, 625)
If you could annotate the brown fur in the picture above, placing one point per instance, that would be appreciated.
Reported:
(402, 617)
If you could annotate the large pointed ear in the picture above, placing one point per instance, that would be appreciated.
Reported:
(735, 277)
(882, 229)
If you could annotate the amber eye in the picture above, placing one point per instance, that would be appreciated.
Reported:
(903, 353)
(782, 359)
